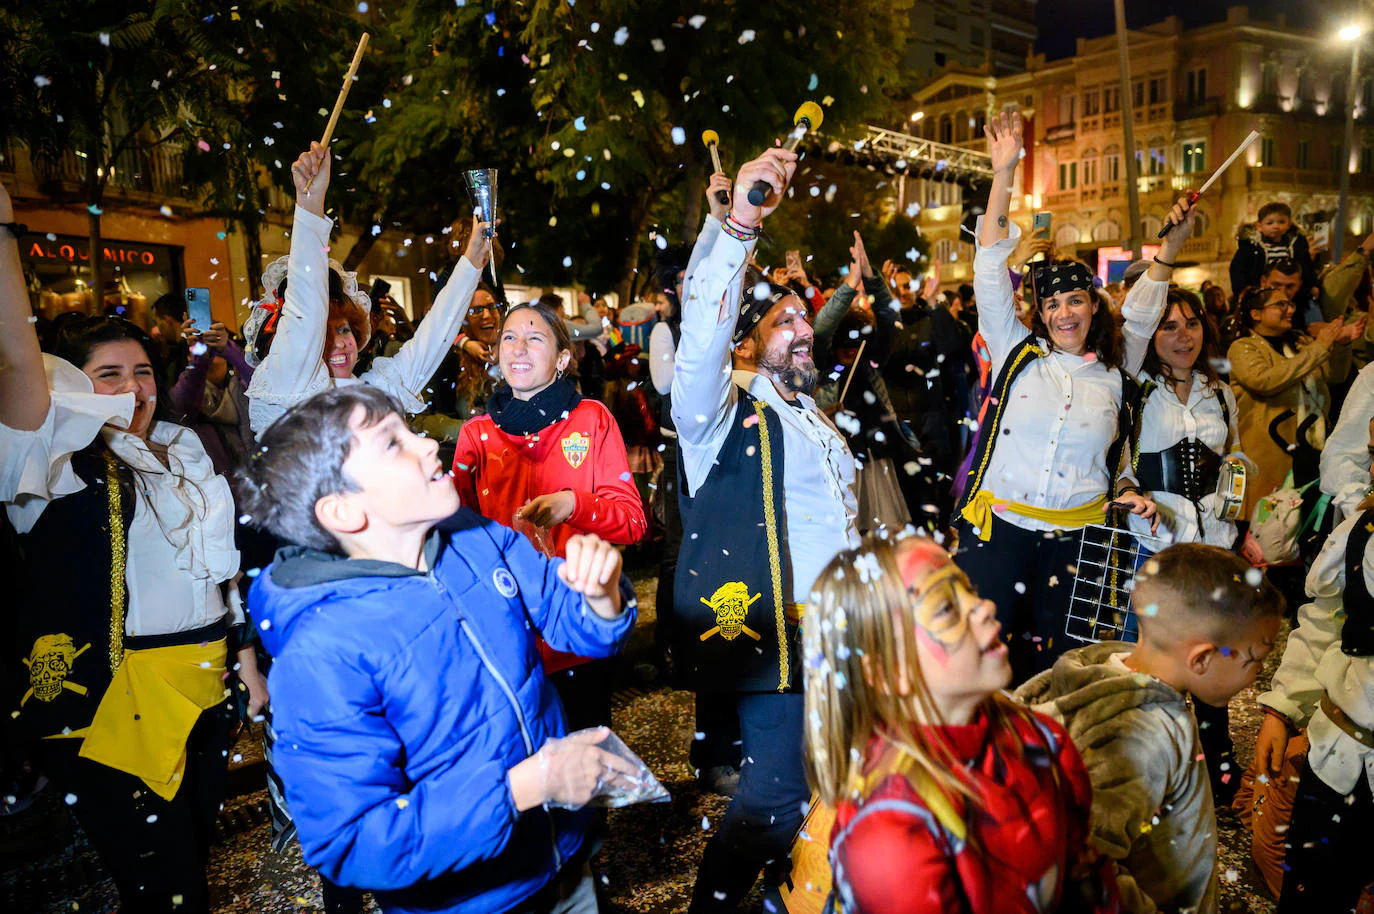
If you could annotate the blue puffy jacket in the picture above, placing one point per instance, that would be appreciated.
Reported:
(401, 700)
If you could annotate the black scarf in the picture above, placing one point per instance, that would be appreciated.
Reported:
(525, 417)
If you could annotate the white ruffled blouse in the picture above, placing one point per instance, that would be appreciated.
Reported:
(180, 544)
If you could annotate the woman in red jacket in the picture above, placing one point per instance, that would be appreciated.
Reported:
(551, 465)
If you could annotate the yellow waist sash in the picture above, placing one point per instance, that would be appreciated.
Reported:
(147, 713)
(978, 512)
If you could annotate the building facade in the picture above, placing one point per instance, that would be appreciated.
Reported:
(1196, 94)
(969, 33)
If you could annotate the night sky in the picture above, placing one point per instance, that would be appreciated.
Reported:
(1062, 21)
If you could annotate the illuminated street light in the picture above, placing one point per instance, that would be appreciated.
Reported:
(1350, 32)
(917, 116)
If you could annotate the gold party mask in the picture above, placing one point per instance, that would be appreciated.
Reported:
(939, 609)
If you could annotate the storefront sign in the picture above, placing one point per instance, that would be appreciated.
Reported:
(54, 249)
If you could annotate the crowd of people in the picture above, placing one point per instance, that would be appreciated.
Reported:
(873, 505)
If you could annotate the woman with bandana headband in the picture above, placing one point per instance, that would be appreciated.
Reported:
(1060, 421)
(948, 797)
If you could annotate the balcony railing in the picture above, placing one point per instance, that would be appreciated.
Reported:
(1205, 107)
(152, 171)
(1060, 133)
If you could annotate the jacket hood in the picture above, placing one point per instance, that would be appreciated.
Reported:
(301, 578)
(1086, 679)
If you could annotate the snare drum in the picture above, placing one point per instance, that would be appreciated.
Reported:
(1231, 490)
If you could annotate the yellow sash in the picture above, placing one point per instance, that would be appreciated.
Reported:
(147, 713)
(978, 512)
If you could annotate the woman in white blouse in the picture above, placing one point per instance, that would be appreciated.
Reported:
(1058, 424)
(128, 626)
(319, 316)
(1188, 422)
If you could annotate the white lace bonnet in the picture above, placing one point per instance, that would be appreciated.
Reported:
(269, 305)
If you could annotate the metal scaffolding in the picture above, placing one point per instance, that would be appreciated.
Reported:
(915, 156)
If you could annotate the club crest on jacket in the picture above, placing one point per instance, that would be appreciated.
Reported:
(575, 448)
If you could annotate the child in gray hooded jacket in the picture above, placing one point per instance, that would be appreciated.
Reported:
(1207, 620)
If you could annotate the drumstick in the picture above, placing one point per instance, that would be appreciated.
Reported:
(343, 97)
(1193, 197)
(343, 92)
(859, 355)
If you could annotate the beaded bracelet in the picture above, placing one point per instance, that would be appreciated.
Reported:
(736, 230)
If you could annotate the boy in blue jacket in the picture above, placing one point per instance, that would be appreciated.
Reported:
(419, 741)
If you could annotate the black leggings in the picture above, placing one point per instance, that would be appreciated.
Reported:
(154, 849)
(1327, 864)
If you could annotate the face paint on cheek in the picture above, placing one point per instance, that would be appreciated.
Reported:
(932, 645)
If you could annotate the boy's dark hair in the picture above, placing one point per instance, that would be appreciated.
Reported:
(966, 292)
(1270, 209)
(1284, 265)
(171, 305)
(1208, 590)
(300, 460)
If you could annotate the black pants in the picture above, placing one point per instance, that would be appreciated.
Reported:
(672, 543)
(154, 849)
(767, 811)
(1034, 614)
(717, 739)
(1327, 864)
(585, 691)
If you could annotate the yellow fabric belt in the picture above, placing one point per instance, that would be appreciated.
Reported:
(978, 512)
(147, 713)
(794, 612)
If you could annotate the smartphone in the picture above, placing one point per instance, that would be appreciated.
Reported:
(1321, 235)
(198, 308)
(1040, 228)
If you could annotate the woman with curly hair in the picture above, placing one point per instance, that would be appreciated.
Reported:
(1060, 420)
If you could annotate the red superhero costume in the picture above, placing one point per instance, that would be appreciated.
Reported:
(904, 848)
(496, 473)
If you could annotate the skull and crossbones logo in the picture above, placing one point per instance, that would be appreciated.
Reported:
(731, 603)
(49, 663)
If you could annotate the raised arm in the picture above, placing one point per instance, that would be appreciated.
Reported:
(702, 389)
(1145, 302)
(295, 369)
(23, 385)
(405, 374)
(997, 237)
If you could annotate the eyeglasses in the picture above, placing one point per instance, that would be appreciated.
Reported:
(478, 309)
(1282, 305)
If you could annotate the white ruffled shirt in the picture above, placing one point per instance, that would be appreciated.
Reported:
(180, 543)
(1166, 420)
(820, 503)
(295, 370)
(1313, 663)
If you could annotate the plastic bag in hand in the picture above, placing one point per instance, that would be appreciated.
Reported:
(621, 779)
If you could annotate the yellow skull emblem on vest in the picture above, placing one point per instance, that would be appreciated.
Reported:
(731, 603)
(50, 663)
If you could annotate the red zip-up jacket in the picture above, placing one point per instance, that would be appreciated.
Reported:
(496, 474)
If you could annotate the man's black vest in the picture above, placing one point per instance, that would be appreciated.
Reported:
(734, 576)
(61, 662)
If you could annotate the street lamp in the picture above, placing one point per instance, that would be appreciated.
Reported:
(1351, 33)
(917, 116)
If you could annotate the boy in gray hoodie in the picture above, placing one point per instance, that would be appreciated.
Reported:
(1207, 620)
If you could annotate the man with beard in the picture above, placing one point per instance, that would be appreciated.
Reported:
(768, 498)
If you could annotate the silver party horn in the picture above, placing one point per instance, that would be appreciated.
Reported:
(481, 183)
